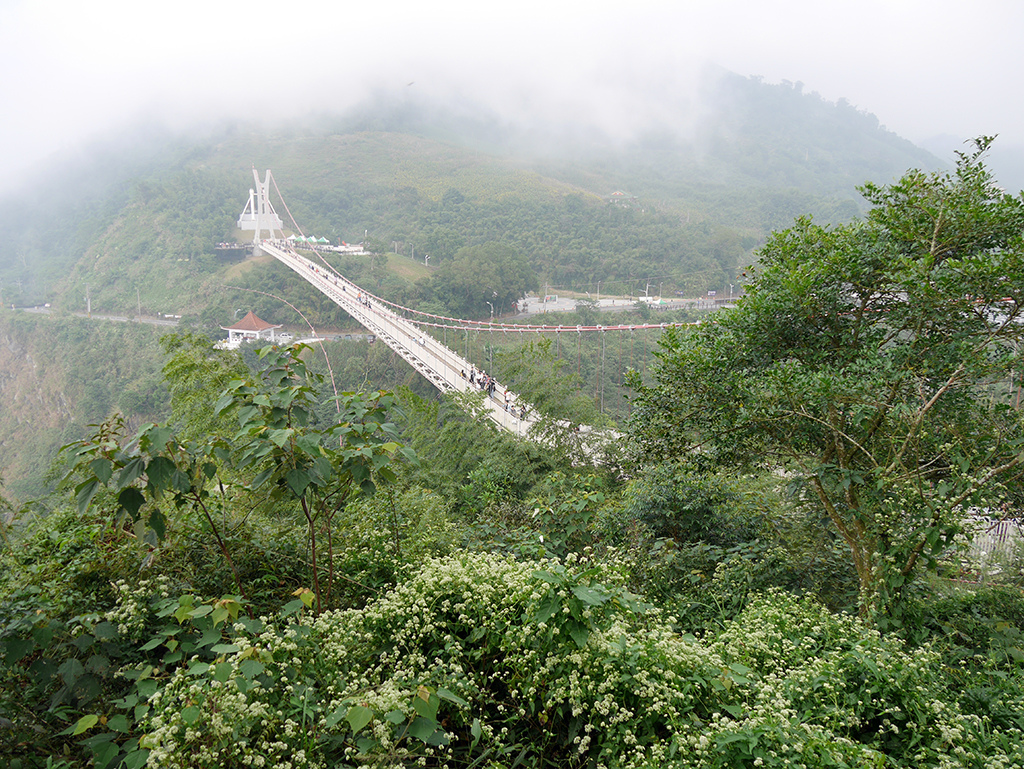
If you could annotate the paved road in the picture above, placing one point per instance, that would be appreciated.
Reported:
(99, 316)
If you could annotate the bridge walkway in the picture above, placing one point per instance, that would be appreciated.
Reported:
(441, 366)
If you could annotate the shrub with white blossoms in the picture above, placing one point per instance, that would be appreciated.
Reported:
(817, 676)
(135, 607)
(482, 658)
(477, 653)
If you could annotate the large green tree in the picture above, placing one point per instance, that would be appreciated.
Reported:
(480, 279)
(871, 362)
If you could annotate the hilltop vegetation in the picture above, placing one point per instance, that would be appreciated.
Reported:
(131, 227)
(413, 178)
(769, 570)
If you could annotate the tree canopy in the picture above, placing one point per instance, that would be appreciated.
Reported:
(481, 278)
(872, 364)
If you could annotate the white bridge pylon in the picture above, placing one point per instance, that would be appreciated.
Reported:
(259, 214)
(443, 367)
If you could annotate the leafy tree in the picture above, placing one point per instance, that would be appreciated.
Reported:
(481, 277)
(279, 447)
(319, 469)
(869, 363)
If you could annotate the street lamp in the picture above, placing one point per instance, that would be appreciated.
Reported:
(490, 347)
(730, 293)
(426, 260)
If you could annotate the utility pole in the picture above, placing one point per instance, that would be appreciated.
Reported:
(88, 301)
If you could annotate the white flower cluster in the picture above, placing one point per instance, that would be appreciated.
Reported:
(786, 684)
(134, 605)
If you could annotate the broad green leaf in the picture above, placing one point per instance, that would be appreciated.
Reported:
(298, 480)
(104, 753)
(160, 472)
(422, 728)
(102, 468)
(132, 470)
(85, 723)
(579, 634)
(222, 672)
(84, 492)
(136, 759)
(447, 695)
(159, 436)
(335, 716)
(547, 607)
(131, 500)
(157, 523)
(425, 703)
(358, 717)
(17, 648)
(281, 437)
(223, 402)
(589, 595)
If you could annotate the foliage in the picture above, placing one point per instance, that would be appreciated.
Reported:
(277, 446)
(445, 668)
(478, 467)
(320, 469)
(823, 675)
(62, 374)
(681, 503)
(478, 279)
(561, 410)
(869, 363)
(193, 369)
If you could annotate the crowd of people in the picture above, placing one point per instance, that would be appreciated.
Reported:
(487, 383)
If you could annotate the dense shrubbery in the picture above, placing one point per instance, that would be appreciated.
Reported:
(274, 580)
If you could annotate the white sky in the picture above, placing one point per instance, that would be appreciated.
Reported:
(70, 69)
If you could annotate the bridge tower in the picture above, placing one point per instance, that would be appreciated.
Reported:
(259, 214)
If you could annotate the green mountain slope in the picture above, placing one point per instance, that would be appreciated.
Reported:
(133, 225)
(415, 179)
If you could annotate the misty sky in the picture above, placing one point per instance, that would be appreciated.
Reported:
(70, 69)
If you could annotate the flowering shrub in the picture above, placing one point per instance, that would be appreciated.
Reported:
(476, 655)
(830, 676)
(482, 658)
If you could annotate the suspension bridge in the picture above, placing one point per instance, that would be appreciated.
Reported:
(403, 329)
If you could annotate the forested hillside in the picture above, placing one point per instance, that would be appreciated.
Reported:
(141, 221)
(132, 226)
(797, 551)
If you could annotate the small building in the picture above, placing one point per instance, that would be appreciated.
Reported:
(248, 329)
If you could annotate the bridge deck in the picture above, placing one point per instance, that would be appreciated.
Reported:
(440, 365)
